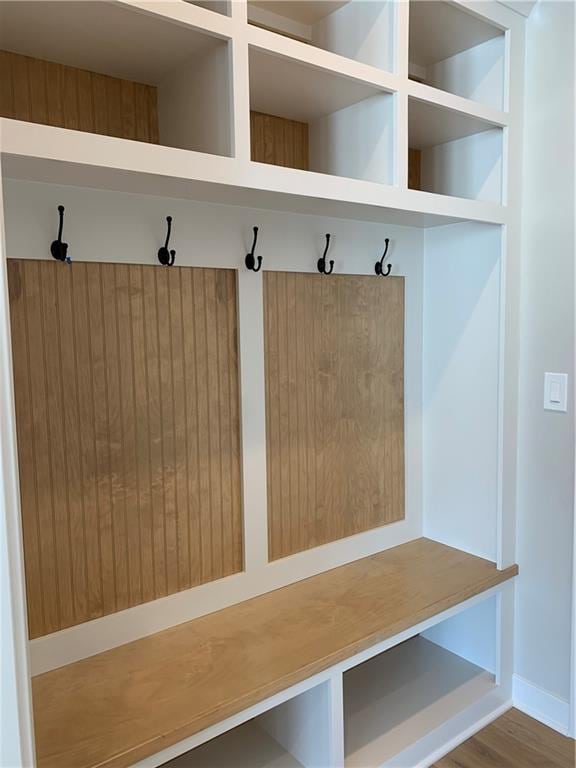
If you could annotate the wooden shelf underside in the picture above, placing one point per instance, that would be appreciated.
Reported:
(128, 703)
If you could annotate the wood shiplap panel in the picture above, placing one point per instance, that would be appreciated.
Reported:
(44, 92)
(414, 168)
(126, 381)
(334, 407)
(278, 141)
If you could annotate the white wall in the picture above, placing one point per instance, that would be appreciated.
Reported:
(546, 439)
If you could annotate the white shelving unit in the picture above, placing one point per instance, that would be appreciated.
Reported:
(347, 69)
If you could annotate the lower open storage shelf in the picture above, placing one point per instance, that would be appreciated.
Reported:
(247, 746)
(401, 695)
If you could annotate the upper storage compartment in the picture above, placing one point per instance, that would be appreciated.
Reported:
(218, 6)
(358, 29)
(456, 51)
(454, 153)
(104, 68)
(314, 119)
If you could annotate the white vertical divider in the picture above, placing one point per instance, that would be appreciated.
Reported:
(401, 23)
(16, 724)
(311, 725)
(253, 417)
(505, 639)
(240, 79)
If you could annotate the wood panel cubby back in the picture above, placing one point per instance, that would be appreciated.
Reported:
(127, 409)
(334, 407)
(67, 97)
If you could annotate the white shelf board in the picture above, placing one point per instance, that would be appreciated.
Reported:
(247, 746)
(439, 30)
(398, 697)
(41, 153)
(117, 39)
(431, 124)
(308, 12)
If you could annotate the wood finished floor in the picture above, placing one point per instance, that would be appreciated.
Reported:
(513, 741)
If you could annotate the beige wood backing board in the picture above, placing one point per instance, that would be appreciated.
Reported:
(278, 141)
(414, 169)
(334, 367)
(120, 706)
(54, 94)
(127, 412)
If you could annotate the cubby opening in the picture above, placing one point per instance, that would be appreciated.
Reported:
(361, 30)
(102, 68)
(399, 696)
(456, 51)
(309, 118)
(293, 734)
(452, 153)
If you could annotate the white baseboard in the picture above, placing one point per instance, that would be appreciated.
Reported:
(541, 705)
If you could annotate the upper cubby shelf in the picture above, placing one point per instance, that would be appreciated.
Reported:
(361, 29)
(454, 153)
(218, 6)
(318, 120)
(452, 49)
(105, 68)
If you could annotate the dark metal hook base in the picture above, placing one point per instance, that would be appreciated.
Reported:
(166, 256)
(251, 260)
(321, 264)
(58, 249)
(379, 266)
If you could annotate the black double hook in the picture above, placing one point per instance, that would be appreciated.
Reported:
(58, 249)
(322, 260)
(251, 259)
(165, 256)
(379, 266)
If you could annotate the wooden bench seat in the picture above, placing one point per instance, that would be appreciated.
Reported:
(128, 703)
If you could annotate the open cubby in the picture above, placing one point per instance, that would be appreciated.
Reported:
(360, 30)
(293, 734)
(103, 68)
(459, 155)
(456, 51)
(399, 696)
(347, 124)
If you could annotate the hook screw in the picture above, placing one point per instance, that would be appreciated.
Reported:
(322, 260)
(58, 249)
(251, 259)
(379, 266)
(166, 257)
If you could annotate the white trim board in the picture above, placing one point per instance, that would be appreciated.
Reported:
(542, 705)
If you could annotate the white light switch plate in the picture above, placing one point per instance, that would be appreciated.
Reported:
(555, 391)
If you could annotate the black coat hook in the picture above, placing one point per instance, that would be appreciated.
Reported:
(322, 260)
(250, 259)
(58, 249)
(379, 266)
(166, 257)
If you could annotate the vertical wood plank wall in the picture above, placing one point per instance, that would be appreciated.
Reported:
(278, 141)
(334, 407)
(127, 406)
(53, 94)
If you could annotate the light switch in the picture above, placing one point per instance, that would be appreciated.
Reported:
(555, 391)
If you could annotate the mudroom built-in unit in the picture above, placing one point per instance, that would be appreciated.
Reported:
(259, 278)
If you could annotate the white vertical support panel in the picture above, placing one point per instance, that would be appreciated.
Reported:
(513, 95)
(461, 377)
(194, 103)
(356, 141)
(253, 415)
(16, 727)
(240, 79)
(401, 24)
(505, 638)
(310, 726)
(472, 634)
(360, 30)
